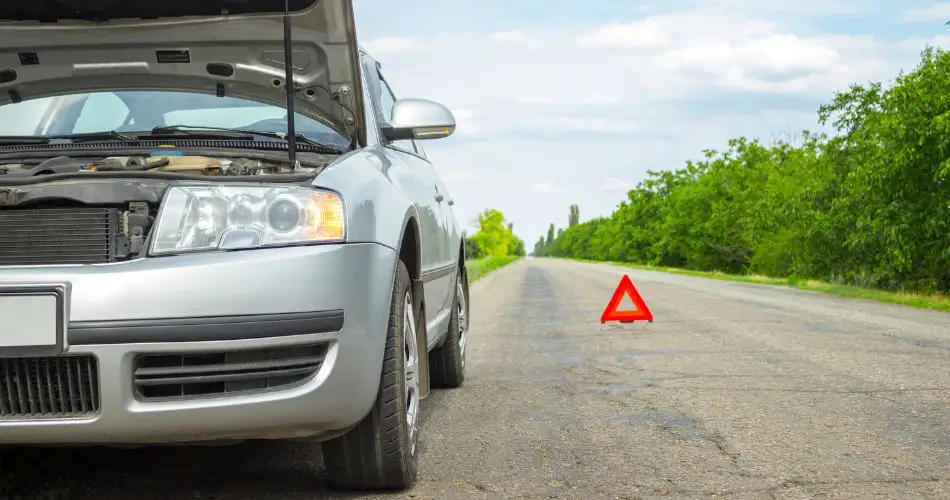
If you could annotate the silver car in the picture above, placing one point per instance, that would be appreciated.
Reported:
(192, 251)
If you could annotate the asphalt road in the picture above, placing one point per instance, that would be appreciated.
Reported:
(735, 391)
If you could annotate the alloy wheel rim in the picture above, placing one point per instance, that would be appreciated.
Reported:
(463, 318)
(411, 362)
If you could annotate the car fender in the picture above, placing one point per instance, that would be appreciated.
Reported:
(377, 211)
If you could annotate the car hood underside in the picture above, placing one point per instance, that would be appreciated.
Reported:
(223, 47)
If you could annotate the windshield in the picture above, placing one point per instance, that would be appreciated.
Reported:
(141, 111)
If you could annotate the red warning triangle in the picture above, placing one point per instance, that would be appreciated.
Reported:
(612, 314)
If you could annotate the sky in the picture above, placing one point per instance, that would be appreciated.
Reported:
(562, 102)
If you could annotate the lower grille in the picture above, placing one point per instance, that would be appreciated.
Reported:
(61, 387)
(176, 376)
(49, 236)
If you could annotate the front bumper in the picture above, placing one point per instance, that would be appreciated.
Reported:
(335, 296)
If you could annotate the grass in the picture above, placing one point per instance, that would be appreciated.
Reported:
(478, 268)
(936, 302)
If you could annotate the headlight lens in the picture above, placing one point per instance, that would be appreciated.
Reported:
(194, 218)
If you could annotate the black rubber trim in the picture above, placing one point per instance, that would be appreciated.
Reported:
(203, 328)
(434, 274)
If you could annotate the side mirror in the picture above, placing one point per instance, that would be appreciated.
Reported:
(419, 119)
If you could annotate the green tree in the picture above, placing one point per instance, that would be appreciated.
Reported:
(539, 247)
(471, 249)
(495, 237)
(515, 244)
(492, 236)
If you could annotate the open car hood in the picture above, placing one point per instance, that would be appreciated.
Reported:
(223, 47)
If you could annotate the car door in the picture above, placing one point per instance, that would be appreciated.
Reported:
(453, 236)
(417, 177)
(451, 239)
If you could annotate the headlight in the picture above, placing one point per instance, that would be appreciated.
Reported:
(194, 218)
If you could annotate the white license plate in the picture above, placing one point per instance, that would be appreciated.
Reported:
(31, 320)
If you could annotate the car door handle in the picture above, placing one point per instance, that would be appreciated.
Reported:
(439, 198)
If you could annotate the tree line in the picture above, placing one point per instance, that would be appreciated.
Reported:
(495, 237)
(868, 205)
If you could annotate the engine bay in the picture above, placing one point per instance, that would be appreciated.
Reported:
(159, 161)
(47, 202)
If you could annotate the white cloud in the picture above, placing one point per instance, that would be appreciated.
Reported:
(597, 125)
(535, 99)
(916, 44)
(617, 184)
(516, 37)
(731, 50)
(679, 28)
(543, 188)
(936, 12)
(391, 45)
(456, 175)
(637, 34)
(822, 8)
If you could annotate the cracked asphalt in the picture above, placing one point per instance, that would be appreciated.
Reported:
(735, 391)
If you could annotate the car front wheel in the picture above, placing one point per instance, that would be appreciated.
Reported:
(380, 452)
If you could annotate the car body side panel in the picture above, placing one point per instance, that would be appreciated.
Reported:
(450, 259)
(453, 233)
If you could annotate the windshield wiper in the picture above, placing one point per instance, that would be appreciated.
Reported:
(95, 136)
(196, 129)
(15, 140)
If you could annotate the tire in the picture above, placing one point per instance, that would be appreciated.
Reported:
(380, 453)
(447, 362)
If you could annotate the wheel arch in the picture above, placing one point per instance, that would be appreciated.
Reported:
(463, 269)
(410, 246)
(410, 253)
